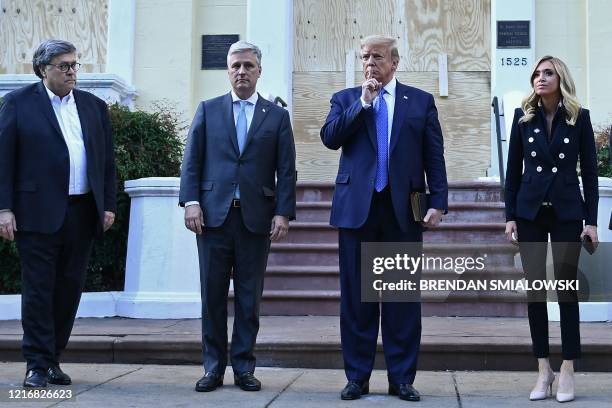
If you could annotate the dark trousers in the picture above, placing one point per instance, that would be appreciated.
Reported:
(400, 321)
(231, 250)
(565, 243)
(53, 270)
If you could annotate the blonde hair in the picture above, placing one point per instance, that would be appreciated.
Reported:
(566, 85)
(385, 41)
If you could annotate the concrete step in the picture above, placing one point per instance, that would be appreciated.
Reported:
(497, 254)
(314, 211)
(486, 232)
(294, 277)
(303, 254)
(464, 191)
(447, 343)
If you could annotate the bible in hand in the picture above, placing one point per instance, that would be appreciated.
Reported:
(420, 205)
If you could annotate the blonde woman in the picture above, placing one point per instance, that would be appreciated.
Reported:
(551, 133)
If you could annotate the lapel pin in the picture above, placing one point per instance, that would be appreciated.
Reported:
(405, 97)
(263, 109)
(536, 130)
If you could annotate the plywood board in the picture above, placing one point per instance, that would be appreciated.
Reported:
(26, 23)
(464, 117)
(326, 29)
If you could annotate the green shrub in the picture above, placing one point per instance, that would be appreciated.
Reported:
(604, 166)
(146, 145)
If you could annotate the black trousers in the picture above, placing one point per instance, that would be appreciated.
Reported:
(400, 322)
(231, 250)
(565, 243)
(53, 270)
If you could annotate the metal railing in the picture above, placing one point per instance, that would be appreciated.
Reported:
(500, 151)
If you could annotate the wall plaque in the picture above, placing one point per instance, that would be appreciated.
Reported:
(513, 34)
(214, 50)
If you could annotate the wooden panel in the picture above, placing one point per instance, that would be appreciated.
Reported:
(316, 162)
(26, 23)
(464, 117)
(326, 29)
(459, 28)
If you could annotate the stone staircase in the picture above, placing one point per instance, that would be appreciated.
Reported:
(302, 275)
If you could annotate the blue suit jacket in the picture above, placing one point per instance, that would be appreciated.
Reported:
(34, 160)
(416, 149)
(265, 171)
(550, 170)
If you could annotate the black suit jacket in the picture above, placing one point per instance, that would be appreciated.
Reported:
(265, 171)
(550, 169)
(34, 160)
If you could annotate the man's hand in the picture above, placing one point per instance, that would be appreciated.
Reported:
(432, 218)
(8, 225)
(591, 231)
(370, 89)
(194, 218)
(511, 232)
(109, 219)
(279, 228)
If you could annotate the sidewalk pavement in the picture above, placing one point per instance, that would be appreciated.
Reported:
(123, 385)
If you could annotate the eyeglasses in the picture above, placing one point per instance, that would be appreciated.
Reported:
(65, 67)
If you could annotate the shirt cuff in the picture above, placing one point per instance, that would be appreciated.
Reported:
(364, 104)
(5, 210)
(188, 203)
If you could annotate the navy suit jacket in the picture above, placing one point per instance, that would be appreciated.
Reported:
(416, 149)
(265, 171)
(550, 170)
(34, 160)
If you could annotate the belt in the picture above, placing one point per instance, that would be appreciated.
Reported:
(75, 198)
(235, 203)
(546, 204)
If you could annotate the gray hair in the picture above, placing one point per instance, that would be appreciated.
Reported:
(47, 50)
(242, 46)
(385, 41)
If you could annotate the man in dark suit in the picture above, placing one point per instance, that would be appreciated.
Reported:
(238, 189)
(390, 138)
(57, 191)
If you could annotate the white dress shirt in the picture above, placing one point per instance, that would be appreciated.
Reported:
(68, 118)
(249, 110)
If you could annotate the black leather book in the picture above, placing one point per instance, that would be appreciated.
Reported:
(420, 205)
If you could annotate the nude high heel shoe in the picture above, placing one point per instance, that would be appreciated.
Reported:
(565, 390)
(546, 377)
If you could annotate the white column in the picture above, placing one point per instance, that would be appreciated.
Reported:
(162, 279)
(120, 49)
(270, 27)
(510, 67)
(120, 42)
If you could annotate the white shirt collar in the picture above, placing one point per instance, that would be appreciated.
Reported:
(52, 96)
(252, 99)
(390, 87)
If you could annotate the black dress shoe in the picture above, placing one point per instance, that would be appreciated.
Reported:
(354, 390)
(55, 375)
(247, 381)
(209, 382)
(405, 392)
(35, 379)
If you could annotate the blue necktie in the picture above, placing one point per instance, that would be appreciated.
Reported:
(241, 134)
(382, 155)
(241, 126)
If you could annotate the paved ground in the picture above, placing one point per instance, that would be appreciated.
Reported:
(119, 385)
